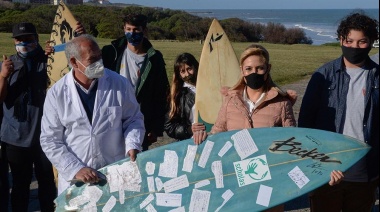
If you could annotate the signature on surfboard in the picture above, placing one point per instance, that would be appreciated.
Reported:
(212, 40)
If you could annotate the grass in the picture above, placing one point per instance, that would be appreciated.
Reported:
(290, 63)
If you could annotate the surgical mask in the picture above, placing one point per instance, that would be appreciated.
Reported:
(134, 38)
(191, 79)
(94, 70)
(26, 49)
(355, 55)
(255, 80)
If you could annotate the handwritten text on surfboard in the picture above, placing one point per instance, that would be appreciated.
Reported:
(212, 40)
(294, 148)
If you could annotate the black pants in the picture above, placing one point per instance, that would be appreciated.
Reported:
(21, 161)
(145, 145)
(4, 183)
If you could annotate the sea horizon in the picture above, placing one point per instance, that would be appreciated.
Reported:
(318, 24)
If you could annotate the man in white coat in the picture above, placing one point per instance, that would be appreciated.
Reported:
(91, 117)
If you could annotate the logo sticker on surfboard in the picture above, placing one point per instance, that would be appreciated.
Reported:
(252, 170)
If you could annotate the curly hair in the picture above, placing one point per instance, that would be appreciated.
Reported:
(360, 22)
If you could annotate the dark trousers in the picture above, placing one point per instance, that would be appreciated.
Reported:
(146, 143)
(21, 161)
(345, 197)
(4, 183)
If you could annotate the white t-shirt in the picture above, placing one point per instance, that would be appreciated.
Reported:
(130, 66)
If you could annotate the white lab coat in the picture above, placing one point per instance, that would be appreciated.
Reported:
(71, 142)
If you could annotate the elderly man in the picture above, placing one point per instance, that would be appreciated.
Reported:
(91, 117)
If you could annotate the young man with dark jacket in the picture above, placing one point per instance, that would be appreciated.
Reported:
(134, 57)
(343, 96)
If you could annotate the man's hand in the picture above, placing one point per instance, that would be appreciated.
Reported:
(133, 154)
(335, 177)
(79, 30)
(48, 49)
(6, 67)
(87, 175)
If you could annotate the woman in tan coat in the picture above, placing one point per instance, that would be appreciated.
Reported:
(254, 101)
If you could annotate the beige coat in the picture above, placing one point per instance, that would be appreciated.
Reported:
(274, 111)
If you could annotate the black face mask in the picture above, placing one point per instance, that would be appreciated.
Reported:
(355, 55)
(255, 80)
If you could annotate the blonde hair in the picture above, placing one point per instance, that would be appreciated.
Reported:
(254, 50)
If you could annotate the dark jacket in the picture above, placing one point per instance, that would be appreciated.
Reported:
(179, 126)
(324, 105)
(153, 85)
(23, 104)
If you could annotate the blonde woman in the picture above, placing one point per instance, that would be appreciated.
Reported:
(254, 101)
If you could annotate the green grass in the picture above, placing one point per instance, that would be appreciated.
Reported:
(290, 63)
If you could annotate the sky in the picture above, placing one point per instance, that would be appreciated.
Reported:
(256, 4)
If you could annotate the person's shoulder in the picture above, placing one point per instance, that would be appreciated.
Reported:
(232, 93)
(335, 62)
(331, 66)
(375, 58)
(113, 75)
(116, 78)
(275, 95)
(117, 43)
(57, 86)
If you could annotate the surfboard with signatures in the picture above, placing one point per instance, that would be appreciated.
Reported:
(245, 170)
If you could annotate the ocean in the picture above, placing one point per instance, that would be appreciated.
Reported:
(318, 24)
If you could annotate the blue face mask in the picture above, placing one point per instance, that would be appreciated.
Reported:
(26, 49)
(134, 38)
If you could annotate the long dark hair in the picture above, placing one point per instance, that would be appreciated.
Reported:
(177, 82)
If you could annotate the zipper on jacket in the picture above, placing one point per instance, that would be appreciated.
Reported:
(246, 113)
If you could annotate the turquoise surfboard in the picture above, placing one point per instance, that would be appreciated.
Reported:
(251, 170)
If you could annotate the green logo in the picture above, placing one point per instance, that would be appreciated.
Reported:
(256, 170)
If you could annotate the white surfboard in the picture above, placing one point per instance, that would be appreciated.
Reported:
(218, 67)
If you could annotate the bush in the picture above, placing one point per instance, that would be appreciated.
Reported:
(106, 22)
(278, 33)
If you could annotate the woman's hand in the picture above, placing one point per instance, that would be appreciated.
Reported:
(199, 133)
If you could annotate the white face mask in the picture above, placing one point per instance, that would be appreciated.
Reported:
(94, 70)
(26, 49)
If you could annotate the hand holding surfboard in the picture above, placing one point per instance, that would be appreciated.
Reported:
(63, 30)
